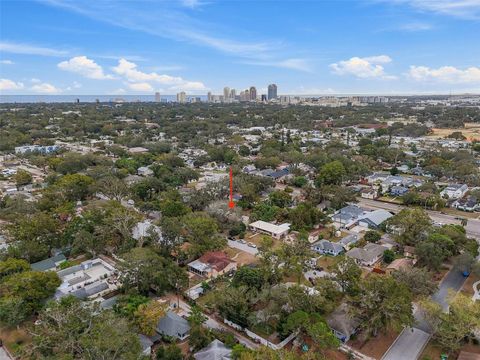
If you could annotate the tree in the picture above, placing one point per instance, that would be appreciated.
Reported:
(11, 266)
(247, 276)
(347, 275)
(332, 173)
(147, 316)
(264, 211)
(413, 225)
(112, 187)
(281, 199)
(388, 256)
(142, 269)
(169, 352)
(22, 177)
(452, 328)
(305, 216)
(196, 317)
(466, 263)
(418, 280)
(68, 329)
(382, 304)
(23, 293)
(322, 335)
(372, 236)
(34, 236)
(74, 186)
(202, 232)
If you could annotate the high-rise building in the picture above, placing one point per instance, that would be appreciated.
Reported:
(272, 91)
(253, 93)
(226, 94)
(157, 97)
(233, 94)
(182, 97)
(209, 97)
(264, 97)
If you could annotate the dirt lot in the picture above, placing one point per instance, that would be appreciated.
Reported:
(377, 346)
(471, 133)
(13, 338)
(241, 257)
(467, 288)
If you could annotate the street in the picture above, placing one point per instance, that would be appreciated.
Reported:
(472, 228)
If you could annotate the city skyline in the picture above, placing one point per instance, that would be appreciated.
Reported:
(325, 48)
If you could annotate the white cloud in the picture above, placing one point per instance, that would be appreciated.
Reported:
(294, 64)
(6, 84)
(6, 62)
(85, 67)
(447, 74)
(367, 67)
(129, 71)
(469, 9)
(76, 85)
(416, 26)
(17, 48)
(118, 91)
(45, 88)
(191, 3)
(35, 80)
(143, 86)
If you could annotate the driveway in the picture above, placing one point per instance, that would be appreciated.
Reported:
(411, 341)
(453, 281)
(408, 345)
(243, 247)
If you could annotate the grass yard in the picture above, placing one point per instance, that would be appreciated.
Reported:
(13, 338)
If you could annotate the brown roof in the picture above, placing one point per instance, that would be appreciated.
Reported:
(402, 263)
(468, 356)
(216, 259)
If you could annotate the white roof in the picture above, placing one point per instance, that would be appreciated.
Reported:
(271, 228)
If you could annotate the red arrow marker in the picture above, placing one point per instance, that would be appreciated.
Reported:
(231, 204)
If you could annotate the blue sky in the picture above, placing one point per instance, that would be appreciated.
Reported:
(306, 47)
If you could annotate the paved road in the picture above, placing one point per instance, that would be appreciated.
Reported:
(473, 225)
(411, 341)
(243, 247)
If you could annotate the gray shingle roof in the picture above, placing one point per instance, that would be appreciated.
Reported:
(173, 325)
(215, 351)
(48, 264)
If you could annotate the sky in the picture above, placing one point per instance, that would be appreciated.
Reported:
(306, 47)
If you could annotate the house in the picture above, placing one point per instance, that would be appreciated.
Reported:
(398, 190)
(400, 264)
(348, 241)
(88, 280)
(146, 343)
(409, 251)
(326, 247)
(387, 241)
(215, 351)
(174, 326)
(36, 149)
(138, 150)
(212, 264)
(347, 217)
(275, 231)
(469, 204)
(343, 325)
(144, 171)
(368, 255)
(374, 218)
(369, 193)
(454, 191)
(278, 174)
(145, 229)
(49, 264)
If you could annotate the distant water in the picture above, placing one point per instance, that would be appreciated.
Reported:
(87, 98)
